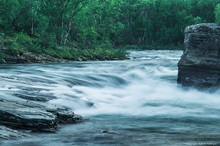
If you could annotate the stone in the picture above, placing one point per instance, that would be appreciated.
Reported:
(199, 65)
(35, 116)
(21, 116)
(65, 116)
(8, 134)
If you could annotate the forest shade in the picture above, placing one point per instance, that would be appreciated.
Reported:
(89, 24)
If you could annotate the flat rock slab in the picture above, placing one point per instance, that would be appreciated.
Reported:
(35, 116)
(199, 65)
(23, 117)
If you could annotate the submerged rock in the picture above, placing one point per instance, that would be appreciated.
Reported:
(199, 65)
(35, 96)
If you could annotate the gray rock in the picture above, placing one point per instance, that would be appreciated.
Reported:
(35, 116)
(199, 65)
(7, 133)
(21, 116)
(64, 115)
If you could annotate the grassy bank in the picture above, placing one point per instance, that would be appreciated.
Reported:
(20, 44)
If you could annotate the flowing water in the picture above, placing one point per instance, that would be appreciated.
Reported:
(129, 102)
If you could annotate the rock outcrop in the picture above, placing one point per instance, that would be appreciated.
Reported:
(32, 115)
(199, 65)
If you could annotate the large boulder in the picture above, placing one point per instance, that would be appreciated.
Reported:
(199, 65)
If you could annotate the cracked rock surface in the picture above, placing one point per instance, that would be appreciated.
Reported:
(32, 115)
(199, 65)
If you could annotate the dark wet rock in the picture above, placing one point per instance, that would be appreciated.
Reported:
(20, 116)
(65, 116)
(199, 65)
(7, 133)
(35, 116)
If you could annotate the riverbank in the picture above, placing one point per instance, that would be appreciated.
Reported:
(22, 48)
(60, 55)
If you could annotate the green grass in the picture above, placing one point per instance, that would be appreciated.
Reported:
(86, 54)
(20, 43)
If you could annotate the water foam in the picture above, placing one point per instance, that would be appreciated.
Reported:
(147, 96)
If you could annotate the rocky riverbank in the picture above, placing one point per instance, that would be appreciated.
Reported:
(28, 57)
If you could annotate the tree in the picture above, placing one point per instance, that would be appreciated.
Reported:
(217, 13)
(7, 14)
(60, 14)
(104, 23)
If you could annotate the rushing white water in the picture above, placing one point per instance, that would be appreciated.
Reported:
(130, 102)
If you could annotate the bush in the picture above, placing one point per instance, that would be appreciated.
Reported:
(107, 54)
(217, 13)
(21, 43)
(1, 58)
(30, 44)
(51, 52)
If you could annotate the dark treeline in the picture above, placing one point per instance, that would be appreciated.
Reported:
(102, 23)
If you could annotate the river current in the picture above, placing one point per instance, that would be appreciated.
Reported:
(132, 102)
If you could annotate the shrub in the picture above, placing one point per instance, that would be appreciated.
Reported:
(217, 13)
(1, 58)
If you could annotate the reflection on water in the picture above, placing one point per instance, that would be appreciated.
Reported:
(129, 102)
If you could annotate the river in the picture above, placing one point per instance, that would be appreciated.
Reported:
(131, 102)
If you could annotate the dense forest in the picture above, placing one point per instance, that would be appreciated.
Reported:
(67, 25)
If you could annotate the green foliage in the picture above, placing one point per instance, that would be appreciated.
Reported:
(13, 47)
(7, 13)
(63, 53)
(1, 58)
(86, 54)
(217, 13)
(89, 29)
